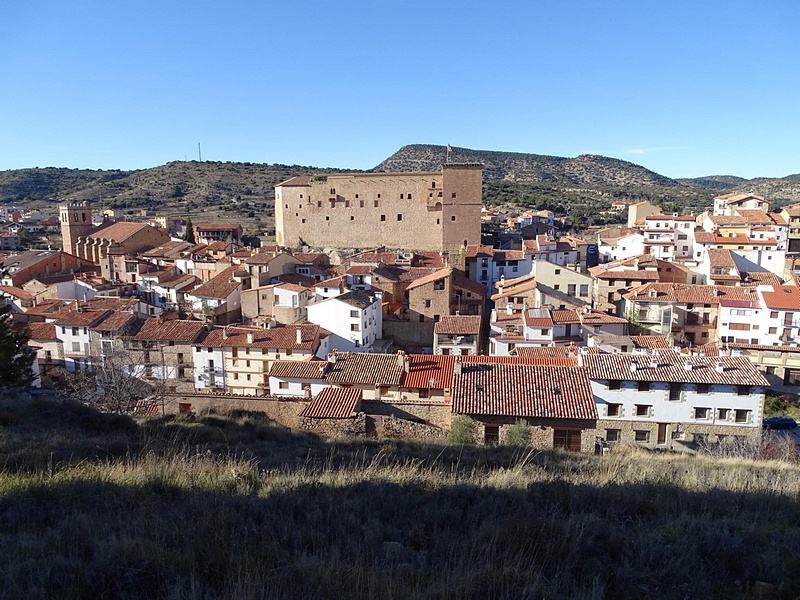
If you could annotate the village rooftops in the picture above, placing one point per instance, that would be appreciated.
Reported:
(458, 325)
(673, 367)
(116, 321)
(82, 318)
(334, 403)
(220, 287)
(157, 330)
(299, 369)
(435, 276)
(277, 338)
(42, 331)
(651, 341)
(365, 368)
(567, 317)
(356, 299)
(783, 297)
(117, 232)
(680, 293)
(516, 390)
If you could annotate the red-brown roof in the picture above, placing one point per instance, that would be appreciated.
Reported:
(82, 318)
(118, 232)
(517, 390)
(670, 367)
(334, 403)
(220, 286)
(116, 321)
(651, 341)
(365, 368)
(685, 293)
(157, 330)
(282, 336)
(299, 369)
(783, 297)
(42, 331)
(458, 325)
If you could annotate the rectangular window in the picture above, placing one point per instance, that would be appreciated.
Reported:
(743, 390)
(643, 386)
(399, 217)
(703, 388)
(723, 414)
(383, 217)
(643, 410)
(614, 410)
(614, 384)
(284, 385)
(355, 327)
(613, 435)
(641, 436)
(702, 413)
(675, 391)
(742, 416)
(353, 314)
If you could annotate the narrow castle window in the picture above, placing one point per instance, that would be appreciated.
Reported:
(401, 196)
(383, 217)
(453, 218)
(399, 217)
(409, 196)
(454, 194)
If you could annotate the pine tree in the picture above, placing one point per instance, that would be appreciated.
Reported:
(188, 235)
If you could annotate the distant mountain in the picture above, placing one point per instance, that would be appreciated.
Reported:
(587, 169)
(713, 182)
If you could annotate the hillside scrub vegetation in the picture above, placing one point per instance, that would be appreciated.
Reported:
(234, 506)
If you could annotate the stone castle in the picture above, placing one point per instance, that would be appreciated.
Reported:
(433, 212)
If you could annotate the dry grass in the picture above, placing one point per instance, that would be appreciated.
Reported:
(236, 507)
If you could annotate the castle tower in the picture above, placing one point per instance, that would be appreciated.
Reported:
(76, 221)
(461, 210)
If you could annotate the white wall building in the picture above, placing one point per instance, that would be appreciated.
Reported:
(354, 319)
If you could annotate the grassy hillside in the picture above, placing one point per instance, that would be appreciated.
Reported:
(236, 507)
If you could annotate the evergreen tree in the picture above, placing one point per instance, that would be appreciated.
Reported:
(15, 354)
(188, 235)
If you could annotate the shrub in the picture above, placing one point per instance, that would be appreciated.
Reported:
(462, 430)
(519, 434)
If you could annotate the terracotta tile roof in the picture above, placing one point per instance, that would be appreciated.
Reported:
(512, 287)
(754, 216)
(157, 330)
(554, 352)
(762, 278)
(671, 368)
(632, 274)
(458, 325)
(177, 281)
(115, 321)
(297, 279)
(792, 349)
(42, 331)
(165, 250)
(723, 220)
(359, 270)
(365, 368)
(793, 210)
(651, 341)
(334, 403)
(10, 290)
(612, 234)
(784, 297)
(113, 303)
(291, 287)
(50, 307)
(430, 278)
(537, 317)
(147, 408)
(259, 259)
(220, 286)
(282, 336)
(503, 318)
(735, 197)
(480, 251)
(356, 299)
(82, 318)
(299, 369)
(564, 317)
(310, 257)
(517, 390)
(704, 237)
(298, 181)
(118, 232)
(720, 258)
(465, 283)
(685, 293)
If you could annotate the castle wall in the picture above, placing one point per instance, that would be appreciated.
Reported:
(411, 211)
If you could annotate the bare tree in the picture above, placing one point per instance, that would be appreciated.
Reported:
(115, 384)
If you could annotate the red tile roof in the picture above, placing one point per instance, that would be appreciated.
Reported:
(118, 232)
(670, 367)
(334, 403)
(430, 278)
(458, 325)
(282, 336)
(365, 368)
(299, 369)
(651, 341)
(784, 297)
(685, 293)
(517, 390)
(220, 286)
(460, 281)
(82, 318)
(157, 330)
(42, 331)
(116, 321)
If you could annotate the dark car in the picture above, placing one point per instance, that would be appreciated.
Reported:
(779, 423)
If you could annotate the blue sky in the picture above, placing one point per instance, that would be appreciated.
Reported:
(683, 88)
